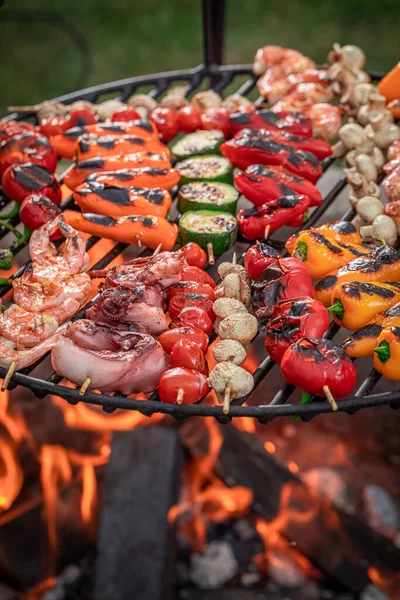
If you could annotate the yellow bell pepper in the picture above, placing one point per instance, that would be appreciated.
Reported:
(362, 342)
(355, 303)
(387, 353)
(339, 231)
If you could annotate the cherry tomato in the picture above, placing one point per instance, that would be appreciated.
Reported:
(194, 255)
(36, 210)
(125, 114)
(198, 275)
(194, 317)
(21, 180)
(27, 147)
(178, 303)
(81, 117)
(193, 384)
(216, 118)
(188, 119)
(190, 287)
(187, 354)
(54, 126)
(165, 121)
(170, 337)
(10, 128)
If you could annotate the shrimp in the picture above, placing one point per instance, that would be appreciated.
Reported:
(273, 86)
(326, 120)
(18, 359)
(59, 298)
(26, 329)
(70, 257)
(290, 61)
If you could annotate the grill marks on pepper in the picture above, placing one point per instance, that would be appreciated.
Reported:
(123, 196)
(354, 289)
(264, 171)
(32, 177)
(110, 222)
(294, 156)
(373, 331)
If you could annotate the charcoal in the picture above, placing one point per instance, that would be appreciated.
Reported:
(371, 592)
(141, 484)
(381, 510)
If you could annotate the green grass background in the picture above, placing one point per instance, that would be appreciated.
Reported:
(126, 38)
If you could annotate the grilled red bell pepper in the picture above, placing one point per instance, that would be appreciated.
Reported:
(291, 122)
(22, 180)
(319, 148)
(258, 258)
(285, 279)
(259, 184)
(27, 147)
(36, 210)
(313, 364)
(245, 151)
(278, 213)
(10, 128)
(292, 320)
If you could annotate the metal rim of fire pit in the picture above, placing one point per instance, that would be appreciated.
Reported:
(220, 77)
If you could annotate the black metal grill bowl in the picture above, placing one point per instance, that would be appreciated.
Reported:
(219, 77)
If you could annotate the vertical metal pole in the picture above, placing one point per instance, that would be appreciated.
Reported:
(213, 31)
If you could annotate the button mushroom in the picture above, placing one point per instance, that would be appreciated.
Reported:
(230, 351)
(142, 103)
(208, 99)
(226, 268)
(223, 307)
(369, 207)
(228, 375)
(242, 327)
(106, 109)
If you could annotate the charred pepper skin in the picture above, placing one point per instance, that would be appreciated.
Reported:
(319, 148)
(285, 279)
(362, 343)
(245, 151)
(260, 184)
(258, 258)
(291, 122)
(313, 363)
(387, 353)
(321, 254)
(339, 231)
(292, 320)
(253, 221)
(355, 303)
(383, 264)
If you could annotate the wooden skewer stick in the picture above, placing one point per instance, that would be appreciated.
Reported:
(227, 399)
(179, 397)
(8, 376)
(234, 259)
(139, 243)
(210, 251)
(329, 397)
(157, 250)
(266, 231)
(85, 386)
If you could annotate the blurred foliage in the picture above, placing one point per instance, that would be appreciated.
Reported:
(39, 59)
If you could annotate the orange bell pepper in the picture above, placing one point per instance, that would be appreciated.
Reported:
(383, 264)
(108, 199)
(90, 145)
(78, 173)
(141, 230)
(148, 177)
(389, 86)
(362, 342)
(387, 353)
(339, 231)
(65, 144)
(355, 303)
(321, 255)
